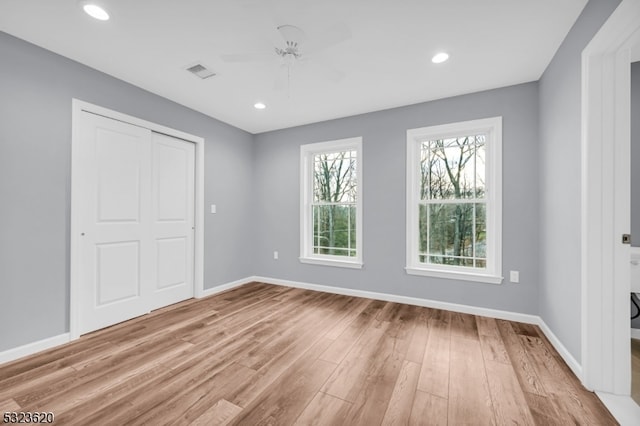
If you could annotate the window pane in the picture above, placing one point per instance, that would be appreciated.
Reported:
(334, 230)
(334, 177)
(448, 168)
(480, 169)
(352, 230)
(447, 234)
(481, 231)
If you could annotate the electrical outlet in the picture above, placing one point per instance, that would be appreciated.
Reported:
(514, 276)
(275, 255)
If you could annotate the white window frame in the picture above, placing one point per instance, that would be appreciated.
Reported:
(492, 127)
(307, 152)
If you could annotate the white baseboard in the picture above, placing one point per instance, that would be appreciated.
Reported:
(562, 350)
(635, 333)
(474, 310)
(50, 342)
(224, 287)
(623, 408)
(34, 347)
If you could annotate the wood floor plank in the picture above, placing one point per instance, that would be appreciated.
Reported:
(290, 361)
(464, 325)
(324, 409)
(418, 340)
(127, 403)
(281, 407)
(508, 400)
(371, 403)
(359, 305)
(428, 410)
(573, 403)
(525, 329)
(46, 379)
(84, 386)
(493, 347)
(403, 322)
(401, 402)
(220, 414)
(9, 405)
(186, 407)
(46, 362)
(469, 397)
(339, 349)
(434, 373)
(89, 410)
(543, 410)
(309, 358)
(351, 374)
(311, 343)
(522, 364)
(281, 341)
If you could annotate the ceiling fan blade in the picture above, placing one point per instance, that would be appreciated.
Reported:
(333, 35)
(248, 57)
(292, 33)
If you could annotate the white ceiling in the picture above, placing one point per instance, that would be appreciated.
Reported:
(386, 62)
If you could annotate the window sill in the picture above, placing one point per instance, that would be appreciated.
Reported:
(353, 264)
(463, 276)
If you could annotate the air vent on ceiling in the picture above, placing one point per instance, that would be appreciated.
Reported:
(201, 71)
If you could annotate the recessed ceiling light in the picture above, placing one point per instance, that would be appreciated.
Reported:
(440, 58)
(259, 105)
(95, 11)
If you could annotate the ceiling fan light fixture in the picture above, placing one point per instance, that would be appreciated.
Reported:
(95, 10)
(440, 57)
(259, 105)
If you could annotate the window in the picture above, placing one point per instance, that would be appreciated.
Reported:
(454, 196)
(331, 203)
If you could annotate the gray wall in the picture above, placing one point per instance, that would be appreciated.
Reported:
(259, 213)
(277, 157)
(36, 88)
(635, 165)
(560, 109)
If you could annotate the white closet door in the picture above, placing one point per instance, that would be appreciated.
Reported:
(116, 234)
(136, 221)
(173, 189)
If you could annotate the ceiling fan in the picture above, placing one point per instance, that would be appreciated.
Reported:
(298, 50)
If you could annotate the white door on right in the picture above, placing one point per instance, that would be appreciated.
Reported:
(173, 221)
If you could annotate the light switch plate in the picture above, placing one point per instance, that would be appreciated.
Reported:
(213, 208)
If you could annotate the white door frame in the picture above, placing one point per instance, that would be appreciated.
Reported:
(78, 107)
(605, 207)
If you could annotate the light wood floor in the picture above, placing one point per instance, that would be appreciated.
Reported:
(263, 354)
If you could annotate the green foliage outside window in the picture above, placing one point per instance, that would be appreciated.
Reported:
(452, 207)
(334, 203)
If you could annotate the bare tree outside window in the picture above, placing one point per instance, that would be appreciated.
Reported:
(452, 216)
(334, 203)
